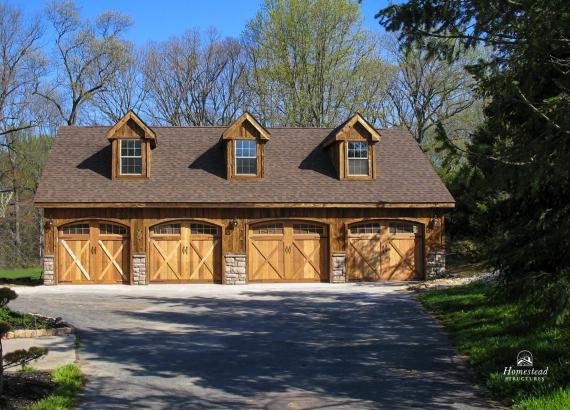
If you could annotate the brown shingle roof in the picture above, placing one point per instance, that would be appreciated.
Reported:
(188, 167)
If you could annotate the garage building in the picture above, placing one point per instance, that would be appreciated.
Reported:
(137, 205)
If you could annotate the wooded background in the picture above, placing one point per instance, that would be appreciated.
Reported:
(482, 86)
(285, 69)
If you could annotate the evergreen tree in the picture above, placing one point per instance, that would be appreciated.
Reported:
(519, 158)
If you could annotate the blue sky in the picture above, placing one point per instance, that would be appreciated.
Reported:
(159, 20)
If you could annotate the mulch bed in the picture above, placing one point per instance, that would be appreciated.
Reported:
(21, 281)
(22, 389)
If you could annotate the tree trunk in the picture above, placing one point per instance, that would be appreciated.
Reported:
(1, 369)
(16, 188)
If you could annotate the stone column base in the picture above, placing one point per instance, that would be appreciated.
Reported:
(49, 271)
(435, 264)
(235, 268)
(338, 268)
(139, 269)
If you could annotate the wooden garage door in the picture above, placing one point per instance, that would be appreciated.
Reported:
(185, 252)
(384, 251)
(287, 251)
(93, 252)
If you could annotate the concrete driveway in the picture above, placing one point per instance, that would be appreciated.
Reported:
(286, 346)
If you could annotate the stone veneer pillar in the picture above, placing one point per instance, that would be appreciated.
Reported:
(338, 271)
(435, 264)
(49, 272)
(235, 267)
(139, 269)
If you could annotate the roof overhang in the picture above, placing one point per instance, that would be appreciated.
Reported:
(401, 205)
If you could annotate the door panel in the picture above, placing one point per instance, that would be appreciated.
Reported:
(165, 260)
(266, 256)
(364, 258)
(111, 258)
(402, 258)
(308, 260)
(73, 260)
(204, 259)
(287, 251)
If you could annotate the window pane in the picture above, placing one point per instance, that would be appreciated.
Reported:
(358, 167)
(357, 150)
(246, 166)
(167, 229)
(79, 229)
(109, 229)
(246, 157)
(269, 229)
(396, 228)
(131, 157)
(131, 166)
(130, 148)
(366, 228)
(307, 228)
(203, 229)
(246, 149)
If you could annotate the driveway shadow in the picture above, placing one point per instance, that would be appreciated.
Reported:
(256, 349)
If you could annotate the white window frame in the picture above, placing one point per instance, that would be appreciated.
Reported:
(236, 158)
(121, 156)
(348, 160)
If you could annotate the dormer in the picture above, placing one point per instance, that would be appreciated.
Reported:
(131, 141)
(351, 149)
(244, 142)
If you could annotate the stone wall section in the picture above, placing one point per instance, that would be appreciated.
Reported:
(139, 269)
(338, 270)
(49, 270)
(435, 264)
(235, 268)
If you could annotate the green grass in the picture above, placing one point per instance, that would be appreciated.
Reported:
(558, 400)
(21, 273)
(491, 332)
(68, 380)
(18, 320)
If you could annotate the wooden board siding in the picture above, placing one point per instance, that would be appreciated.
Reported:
(140, 220)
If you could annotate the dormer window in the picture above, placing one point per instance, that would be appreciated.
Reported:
(357, 158)
(131, 157)
(132, 142)
(246, 157)
(244, 142)
(351, 148)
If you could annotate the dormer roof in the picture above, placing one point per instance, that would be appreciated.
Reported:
(236, 129)
(134, 121)
(340, 133)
